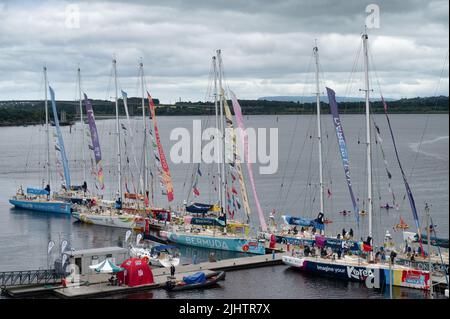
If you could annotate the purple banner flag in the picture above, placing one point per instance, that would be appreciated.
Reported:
(412, 203)
(95, 140)
(342, 146)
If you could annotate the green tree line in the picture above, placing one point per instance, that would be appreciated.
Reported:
(33, 112)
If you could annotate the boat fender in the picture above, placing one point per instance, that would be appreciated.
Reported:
(245, 248)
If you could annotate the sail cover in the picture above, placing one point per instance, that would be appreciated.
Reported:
(61, 149)
(300, 221)
(37, 191)
(342, 146)
(244, 137)
(199, 208)
(166, 178)
(204, 221)
(95, 141)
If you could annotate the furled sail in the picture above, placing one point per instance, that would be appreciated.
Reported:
(405, 181)
(342, 146)
(95, 141)
(165, 174)
(60, 145)
(244, 137)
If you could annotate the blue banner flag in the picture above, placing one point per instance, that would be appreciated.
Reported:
(60, 140)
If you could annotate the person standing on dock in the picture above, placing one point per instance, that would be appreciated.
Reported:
(172, 270)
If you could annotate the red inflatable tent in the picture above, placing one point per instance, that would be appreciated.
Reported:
(137, 272)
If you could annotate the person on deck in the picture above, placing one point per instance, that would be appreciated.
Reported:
(344, 232)
(307, 251)
(172, 270)
(118, 203)
(47, 188)
(272, 217)
(84, 187)
(295, 231)
(350, 233)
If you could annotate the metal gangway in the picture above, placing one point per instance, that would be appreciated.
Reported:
(29, 277)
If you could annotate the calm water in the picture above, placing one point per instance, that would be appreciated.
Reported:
(24, 235)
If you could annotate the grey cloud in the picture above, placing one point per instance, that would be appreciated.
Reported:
(266, 45)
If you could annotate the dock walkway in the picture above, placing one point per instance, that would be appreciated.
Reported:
(96, 285)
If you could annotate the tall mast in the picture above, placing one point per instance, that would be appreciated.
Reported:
(82, 125)
(144, 123)
(319, 129)
(47, 128)
(216, 106)
(368, 139)
(222, 129)
(429, 224)
(119, 163)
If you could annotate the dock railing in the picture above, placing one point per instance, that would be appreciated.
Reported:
(29, 277)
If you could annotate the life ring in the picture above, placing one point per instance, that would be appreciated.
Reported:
(245, 248)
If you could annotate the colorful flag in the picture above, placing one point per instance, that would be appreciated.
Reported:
(95, 141)
(244, 137)
(60, 140)
(166, 178)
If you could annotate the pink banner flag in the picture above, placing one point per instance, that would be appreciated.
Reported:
(244, 137)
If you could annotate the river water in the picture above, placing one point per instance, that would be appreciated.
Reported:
(422, 142)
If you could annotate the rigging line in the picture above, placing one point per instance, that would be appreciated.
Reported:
(427, 117)
(205, 123)
(353, 70)
(291, 144)
(297, 163)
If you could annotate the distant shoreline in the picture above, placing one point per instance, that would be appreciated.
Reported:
(17, 124)
(17, 113)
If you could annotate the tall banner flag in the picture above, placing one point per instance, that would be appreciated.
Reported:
(408, 189)
(62, 150)
(95, 141)
(244, 137)
(342, 146)
(167, 179)
(237, 161)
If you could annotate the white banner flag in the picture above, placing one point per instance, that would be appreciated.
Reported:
(50, 246)
(138, 239)
(127, 235)
(63, 245)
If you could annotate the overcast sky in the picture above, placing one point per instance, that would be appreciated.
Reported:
(266, 47)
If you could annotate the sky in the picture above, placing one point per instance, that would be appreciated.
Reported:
(266, 47)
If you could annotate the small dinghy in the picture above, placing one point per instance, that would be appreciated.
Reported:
(195, 281)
